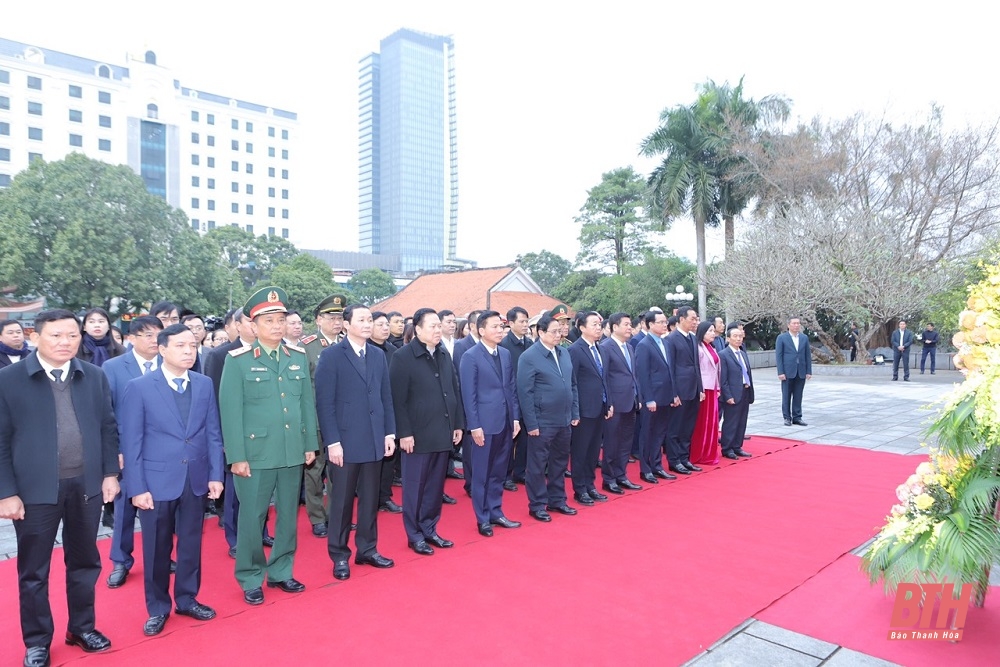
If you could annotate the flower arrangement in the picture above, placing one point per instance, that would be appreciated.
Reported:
(945, 527)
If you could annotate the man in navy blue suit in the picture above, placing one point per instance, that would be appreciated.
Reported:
(171, 442)
(793, 356)
(492, 415)
(462, 346)
(685, 378)
(657, 394)
(735, 395)
(142, 358)
(585, 442)
(358, 426)
(623, 396)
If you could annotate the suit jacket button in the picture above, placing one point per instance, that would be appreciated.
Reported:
(287, 426)
(184, 460)
(252, 436)
(279, 378)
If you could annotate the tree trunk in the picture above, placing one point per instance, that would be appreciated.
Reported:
(836, 354)
(699, 227)
(730, 233)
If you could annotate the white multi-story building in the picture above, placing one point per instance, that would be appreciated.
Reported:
(221, 160)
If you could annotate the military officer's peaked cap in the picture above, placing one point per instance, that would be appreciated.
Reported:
(560, 312)
(266, 300)
(335, 303)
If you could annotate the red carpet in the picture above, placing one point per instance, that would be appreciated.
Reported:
(840, 607)
(671, 568)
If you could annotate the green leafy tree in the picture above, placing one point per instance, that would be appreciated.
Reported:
(643, 286)
(571, 290)
(253, 258)
(545, 268)
(614, 229)
(307, 280)
(371, 286)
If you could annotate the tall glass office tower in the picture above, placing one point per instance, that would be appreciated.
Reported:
(407, 157)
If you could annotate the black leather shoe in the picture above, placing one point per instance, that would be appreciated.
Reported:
(390, 506)
(612, 488)
(562, 509)
(254, 596)
(730, 455)
(745, 454)
(421, 548)
(118, 576)
(663, 474)
(319, 530)
(154, 625)
(440, 542)
(509, 486)
(680, 470)
(541, 515)
(504, 522)
(173, 567)
(692, 467)
(486, 530)
(799, 422)
(447, 500)
(583, 499)
(341, 570)
(232, 552)
(629, 484)
(454, 474)
(267, 541)
(597, 495)
(375, 559)
(788, 422)
(91, 642)
(37, 656)
(288, 585)
(649, 478)
(199, 611)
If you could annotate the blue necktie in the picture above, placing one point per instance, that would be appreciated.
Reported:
(628, 361)
(597, 359)
(659, 343)
(147, 366)
(180, 385)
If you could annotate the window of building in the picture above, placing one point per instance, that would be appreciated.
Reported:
(75, 116)
(235, 144)
(249, 126)
(235, 186)
(284, 134)
(284, 232)
(194, 116)
(249, 168)
(270, 212)
(152, 111)
(195, 225)
(75, 140)
(270, 192)
(211, 140)
(210, 119)
(4, 155)
(4, 76)
(5, 129)
(195, 139)
(4, 102)
(236, 165)
(104, 144)
(211, 224)
(211, 183)
(270, 231)
(104, 72)
(284, 174)
(270, 172)
(4, 180)
(270, 131)
(76, 91)
(235, 208)
(195, 159)
(270, 151)
(284, 213)
(211, 204)
(34, 83)
(250, 228)
(284, 153)
(249, 188)
(35, 108)
(249, 209)
(284, 194)
(35, 133)
(34, 156)
(235, 124)
(103, 97)
(249, 148)
(195, 181)
(104, 121)
(195, 203)
(211, 163)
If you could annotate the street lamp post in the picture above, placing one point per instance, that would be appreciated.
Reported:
(678, 296)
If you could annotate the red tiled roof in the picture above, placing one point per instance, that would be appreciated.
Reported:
(461, 292)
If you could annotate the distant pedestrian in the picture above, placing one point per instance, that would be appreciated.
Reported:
(930, 340)
(902, 339)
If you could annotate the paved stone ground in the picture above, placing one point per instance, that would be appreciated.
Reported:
(867, 411)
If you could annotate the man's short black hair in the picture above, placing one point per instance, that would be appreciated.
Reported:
(545, 320)
(377, 314)
(484, 317)
(418, 317)
(650, 317)
(671, 321)
(514, 312)
(391, 314)
(445, 313)
(683, 311)
(140, 324)
(230, 314)
(349, 311)
(7, 323)
(616, 319)
(192, 316)
(733, 325)
(163, 338)
(55, 315)
(162, 307)
(292, 312)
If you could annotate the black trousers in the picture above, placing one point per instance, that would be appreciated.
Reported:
(351, 478)
(584, 450)
(898, 357)
(791, 397)
(548, 454)
(518, 457)
(36, 534)
(680, 428)
(655, 425)
(618, 434)
(423, 486)
(391, 467)
(734, 423)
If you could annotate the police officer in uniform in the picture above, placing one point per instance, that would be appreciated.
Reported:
(269, 428)
(329, 331)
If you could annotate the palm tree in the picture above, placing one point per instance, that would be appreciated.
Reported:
(698, 174)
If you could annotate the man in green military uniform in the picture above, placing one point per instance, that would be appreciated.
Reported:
(269, 428)
(330, 331)
(561, 315)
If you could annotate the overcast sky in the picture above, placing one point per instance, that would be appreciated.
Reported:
(549, 95)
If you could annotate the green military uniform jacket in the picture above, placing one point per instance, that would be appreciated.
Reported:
(314, 346)
(268, 409)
